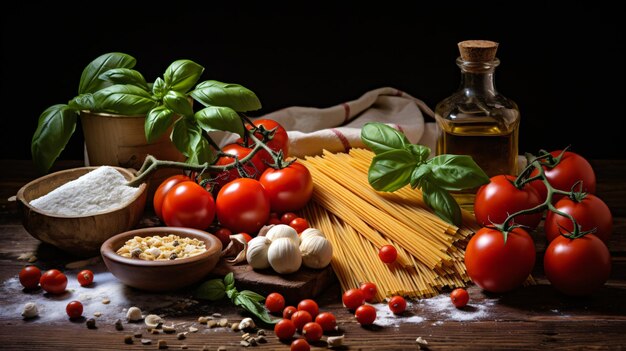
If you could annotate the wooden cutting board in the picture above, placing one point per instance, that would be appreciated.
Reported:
(303, 284)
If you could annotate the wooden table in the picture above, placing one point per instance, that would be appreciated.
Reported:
(535, 317)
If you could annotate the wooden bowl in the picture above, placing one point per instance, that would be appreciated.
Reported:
(79, 235)
(161, 275)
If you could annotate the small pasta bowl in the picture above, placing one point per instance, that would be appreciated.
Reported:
(161, 275)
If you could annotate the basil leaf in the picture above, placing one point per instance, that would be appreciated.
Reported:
(186, 135)
(214, 118)
(90, 81)
(255, 308)
(212, 290)
(158, 88)
(181, 75)
(235, 96)
(441, 202)
(54, 129)
(178, 103)
(252, 295)
(229, 280)
(157, 122)
(200, 153)
(418, 174)
(456, 172)
(125, 76)
(391, 170)
(420, 152)
(382, 138)
(124, 99)
(232, 294)
(83, 102)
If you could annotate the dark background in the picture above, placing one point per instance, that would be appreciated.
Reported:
(561, 65)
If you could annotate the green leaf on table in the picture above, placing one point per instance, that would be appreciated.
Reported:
(90, 81)
(235, 96)
(181, 75)
(441, 202)
(157, 121)
(252, 295)
(255, 308)
(186, 135)
(125, 76)
(214, 118)
(212, 290)
(83, 102)
(456, 172)
(178, 103)
(54, 129)
(391, 170)
(124, 99)
(381, 138)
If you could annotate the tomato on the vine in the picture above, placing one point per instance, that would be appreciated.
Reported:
(164, 188)
(279, 139)
(369, 291)
(284, 329)
(327, 320)
(496, 266)
(388, 254)
(29, 277)
(243, 206)
(577, 266)
(397, 304)
(365, 314)
(571, 169)
(289, 188)
(53, 281)
(590, 212)
(353, 298)
(500, 197)
(459, 297)
(253, 168)
(189, 205)
(275, 302)
(74, 309)
(85, 277)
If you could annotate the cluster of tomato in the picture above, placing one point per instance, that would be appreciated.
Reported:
(574, 266)
(242, 203)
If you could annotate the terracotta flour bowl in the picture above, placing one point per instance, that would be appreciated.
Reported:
(79, 235)
(163, 275)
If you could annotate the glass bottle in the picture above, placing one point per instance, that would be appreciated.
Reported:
(476, 120)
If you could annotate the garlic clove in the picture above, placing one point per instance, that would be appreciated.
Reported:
(256, 255)
(309, 232)
(30, 310)
(133, 314)
(284, 256)
(283, 231)
(152, 320)
(317, 252)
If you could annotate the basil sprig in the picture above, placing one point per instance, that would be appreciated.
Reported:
(398, 163)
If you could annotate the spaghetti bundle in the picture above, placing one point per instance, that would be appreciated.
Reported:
(359, 220)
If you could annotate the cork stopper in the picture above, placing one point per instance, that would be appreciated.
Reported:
(478, 50)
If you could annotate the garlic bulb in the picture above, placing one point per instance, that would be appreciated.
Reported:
(256, 255)
(283, 231)
(308, 232)
(316, 251)
(284, 256)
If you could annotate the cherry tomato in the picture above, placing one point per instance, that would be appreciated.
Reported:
(224, 235)
(287, 217)
(275, 302)
(29, 277)
(496, 266)
(53, 281)
(459, 297)
(397, 304)
(74, 309)
(577, 266)
(563, 176)
(388, 254)
(243, 206)
(289, 311)
(300, 345)
(353, 298)
(299, 224)
(300, 318)
(163, 189)
(499, 198)
(327, 320)
(289, 188)
(285, 329)
(189, 205)
(589, 213)
(253, 168)
(309, 306)
(278, 141)
(246, 236)
(365, 314)
(369, 291)
(85, 277)
(274, 219)
(312, 332)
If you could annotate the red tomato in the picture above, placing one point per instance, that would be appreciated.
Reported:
(563, 176)
(53, 281)
(85, 277)
(275, 302)
(327, 320)
(299, 224)
(274, 219)
(253, 168)
(289, 188)
(289, 311)
(278, 141)
(577, 266)
(589, 213)
(284, 329)
(243, 206)
(312, 332)
(246, 236)
(300, 318)
(459, 297)
(300, 345)
(74, 309)
(496, 266)
(369, 291)
(224, 235)
(309, 306)
(29, 277)
(286, 218)
(397, 304)
(164, 188)
(353, 298)
(499, 198)
(388, 254)
(189, 205)
(365, 314)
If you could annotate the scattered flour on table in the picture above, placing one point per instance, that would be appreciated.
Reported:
(384, 316)
(100, 190)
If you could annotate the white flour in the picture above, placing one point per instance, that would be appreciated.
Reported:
(100, 190)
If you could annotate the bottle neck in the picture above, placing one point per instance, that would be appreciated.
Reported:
(477, 78)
